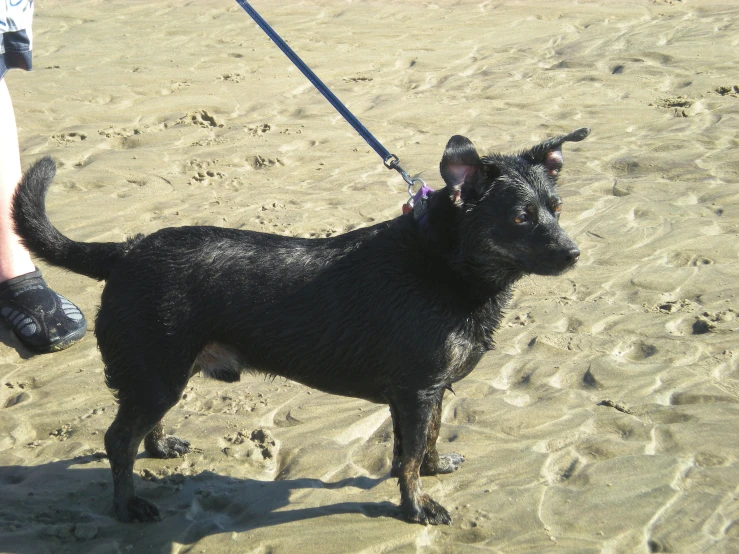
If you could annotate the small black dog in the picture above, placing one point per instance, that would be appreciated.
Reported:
(393, 313)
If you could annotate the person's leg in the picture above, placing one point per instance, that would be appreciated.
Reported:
(14, 258)
(42, 320)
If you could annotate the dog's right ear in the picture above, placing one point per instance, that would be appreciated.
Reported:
(460, 164)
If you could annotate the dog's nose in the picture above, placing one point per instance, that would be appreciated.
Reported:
(572, 255)
(567, 256)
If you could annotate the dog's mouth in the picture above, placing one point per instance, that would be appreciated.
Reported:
(551, 271)
(499, 265)
(545, 269)
(551, 262)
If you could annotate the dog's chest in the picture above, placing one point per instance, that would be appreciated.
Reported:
(467, 343)
(461, 356)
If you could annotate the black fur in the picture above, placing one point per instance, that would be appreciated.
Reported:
(392, 313)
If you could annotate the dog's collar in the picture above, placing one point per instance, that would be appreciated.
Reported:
(419, 206)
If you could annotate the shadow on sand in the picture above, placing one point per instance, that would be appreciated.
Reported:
(66, 506)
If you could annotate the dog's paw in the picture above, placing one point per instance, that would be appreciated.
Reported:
(138, 509)
(447, 463)
(428, 512)
(168, 446)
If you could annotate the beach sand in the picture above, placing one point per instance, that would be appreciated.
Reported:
(606, 419)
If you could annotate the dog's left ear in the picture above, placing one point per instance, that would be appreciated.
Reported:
(462, 170)
(549, 153)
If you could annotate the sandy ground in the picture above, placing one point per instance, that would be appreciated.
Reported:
(605, 421)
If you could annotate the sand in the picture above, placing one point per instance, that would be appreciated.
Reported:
(605, 421)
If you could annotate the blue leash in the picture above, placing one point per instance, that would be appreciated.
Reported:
(391, 161)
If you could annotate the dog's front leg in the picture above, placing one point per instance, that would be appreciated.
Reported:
(412, 413)
(433, 462)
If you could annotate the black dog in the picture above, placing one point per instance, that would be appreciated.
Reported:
(393, 313)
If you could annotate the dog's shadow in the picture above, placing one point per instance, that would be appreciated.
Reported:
(62, 501)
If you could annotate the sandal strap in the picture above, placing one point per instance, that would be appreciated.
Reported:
(42, 319)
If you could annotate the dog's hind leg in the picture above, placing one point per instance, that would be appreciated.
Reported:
(395, 470)
(412, 413)
(433, 462)
(139, 413)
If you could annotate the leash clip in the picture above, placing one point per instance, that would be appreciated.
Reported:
(412, 182)
(417, 202)
(392, 162)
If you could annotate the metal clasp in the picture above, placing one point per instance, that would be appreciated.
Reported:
(392, 162)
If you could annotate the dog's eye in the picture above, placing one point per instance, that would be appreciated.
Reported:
(521, 218)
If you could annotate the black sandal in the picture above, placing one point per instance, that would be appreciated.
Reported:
(43, 320)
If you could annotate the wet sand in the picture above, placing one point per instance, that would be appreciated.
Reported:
(606, 419)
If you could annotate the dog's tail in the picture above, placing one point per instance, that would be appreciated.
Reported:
(93, 259)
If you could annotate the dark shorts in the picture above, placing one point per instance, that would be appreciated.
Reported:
(16, 52)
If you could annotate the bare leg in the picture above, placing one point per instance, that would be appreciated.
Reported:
(14, 258)
(41, 319)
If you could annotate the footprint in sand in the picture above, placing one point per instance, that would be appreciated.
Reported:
(521, 320)
(296, 131)
(272, 206)
(63, 432)
(561, 466)
(18, 393)
(323, 234)
(259, 130)
(712, 321)
(732, 90)
(206, 177)
(206, 172)
(15, 431)
(201, 118)
(126, 138)
(679, 105)
(673, 306)
(177, 85)
(264, 442)
(69, 138)
(639, 351)
(260, 162)
(22, 385)
(209, 142)
(257, 445)
(16, 399)
(94, 412)
(231, 77)
(119, 133)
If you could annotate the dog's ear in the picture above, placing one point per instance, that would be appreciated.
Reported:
(461, 169)
(549, 153)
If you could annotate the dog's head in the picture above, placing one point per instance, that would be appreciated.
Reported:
(508, 208)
